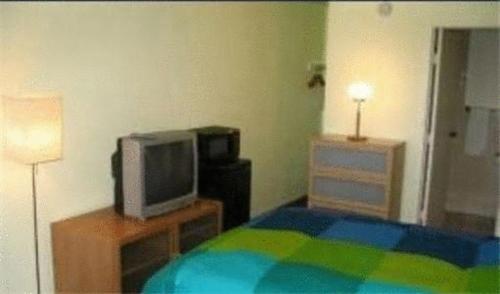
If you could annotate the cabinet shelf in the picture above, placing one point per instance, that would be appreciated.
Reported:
(201, 229)
(155, 261)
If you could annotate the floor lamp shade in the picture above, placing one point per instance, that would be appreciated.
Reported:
(33, 128)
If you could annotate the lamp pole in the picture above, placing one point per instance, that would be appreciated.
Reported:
(34, 170)
(358, 120)
(357, 136)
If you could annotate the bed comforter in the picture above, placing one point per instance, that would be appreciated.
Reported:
(298, 250)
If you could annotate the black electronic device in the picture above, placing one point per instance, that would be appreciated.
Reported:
(218, 145)
(229, 183)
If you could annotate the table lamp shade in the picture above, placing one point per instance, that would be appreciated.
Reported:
(33, 129)
(360, 91)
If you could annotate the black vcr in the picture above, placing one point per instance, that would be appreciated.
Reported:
(229, 183)
(218, 145)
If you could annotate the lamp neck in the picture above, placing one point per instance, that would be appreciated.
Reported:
(358, 119)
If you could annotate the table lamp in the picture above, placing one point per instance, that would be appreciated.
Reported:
(359, 93)
(33, 134)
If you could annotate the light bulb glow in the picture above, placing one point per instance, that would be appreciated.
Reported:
(39, 137)
(33, 129)
(360, 91)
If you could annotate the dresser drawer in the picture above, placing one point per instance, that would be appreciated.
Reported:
(346, 190)
(325, 156)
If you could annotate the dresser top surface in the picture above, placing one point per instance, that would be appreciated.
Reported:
(108, 224)
(343, 140)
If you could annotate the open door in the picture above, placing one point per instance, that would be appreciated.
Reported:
(447, 93)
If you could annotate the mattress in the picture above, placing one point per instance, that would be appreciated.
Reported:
(299, 250)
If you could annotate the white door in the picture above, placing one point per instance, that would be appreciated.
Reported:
(449, 67)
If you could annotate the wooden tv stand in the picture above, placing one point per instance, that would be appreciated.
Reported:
(102, 251)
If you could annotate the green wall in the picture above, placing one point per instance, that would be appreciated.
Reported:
(136, 67)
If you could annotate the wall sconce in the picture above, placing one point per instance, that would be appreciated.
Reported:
(317, 69)
(359, 93)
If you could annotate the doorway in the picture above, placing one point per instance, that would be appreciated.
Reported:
(462, 163)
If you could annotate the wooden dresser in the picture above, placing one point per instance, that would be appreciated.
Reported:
(104, 252)
(361, 177)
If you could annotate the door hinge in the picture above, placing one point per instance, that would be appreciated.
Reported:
(434, 58)
(428, 139)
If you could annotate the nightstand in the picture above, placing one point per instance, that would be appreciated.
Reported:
(361, 177)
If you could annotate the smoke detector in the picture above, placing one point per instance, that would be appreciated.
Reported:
(385, 9)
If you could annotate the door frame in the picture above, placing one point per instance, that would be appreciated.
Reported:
(430, 121)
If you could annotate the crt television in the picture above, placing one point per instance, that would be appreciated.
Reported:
(155, 173)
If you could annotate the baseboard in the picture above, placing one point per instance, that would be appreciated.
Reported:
(299, 202)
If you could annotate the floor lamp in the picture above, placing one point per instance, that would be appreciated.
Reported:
(33, 135)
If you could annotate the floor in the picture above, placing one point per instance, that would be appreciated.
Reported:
(454, 221)
(299, 202)
(469, 223)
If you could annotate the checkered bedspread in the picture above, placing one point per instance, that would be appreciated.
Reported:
(297, 250)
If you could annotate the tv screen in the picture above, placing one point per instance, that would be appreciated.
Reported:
(169, 171)
(218, 147)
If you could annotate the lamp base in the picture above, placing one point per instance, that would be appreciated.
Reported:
(357, 138)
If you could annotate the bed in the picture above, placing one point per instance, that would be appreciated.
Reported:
(299, 250)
